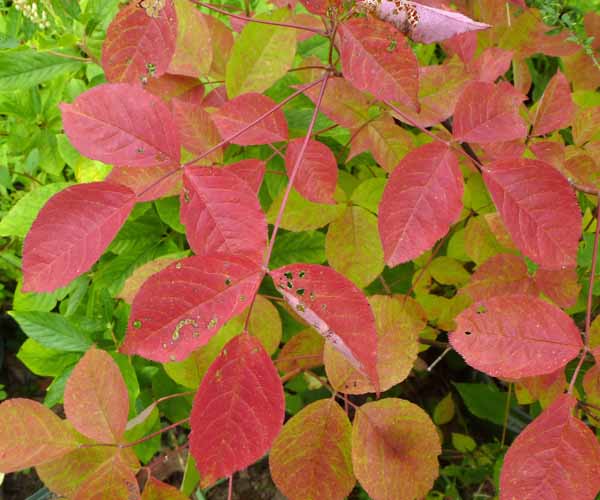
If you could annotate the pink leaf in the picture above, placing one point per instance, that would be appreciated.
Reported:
(239, 113)
(421, 200)
(486, 112)
(139, 46)
(463, 45)
(377, 59)
(539, 208)
(71, 232)
(183, 306)
(317, 175)
(422, 23)
(492, 64)
(561, 285)
(122, 124)
(221, 213)
(252, 171)
(197, 130)
(148, 183)
(515, 336)
(557, 455)
(556, 108)
(238, 410)
(96, 400)
(335, 308)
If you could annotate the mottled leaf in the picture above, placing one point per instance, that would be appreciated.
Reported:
(140, 275)
(157, 490)
(303, 351)
(197, 131)
(238, 410)
(311, 457)
(71, 232)
(515, 336)
(561, 285)
(148, 183)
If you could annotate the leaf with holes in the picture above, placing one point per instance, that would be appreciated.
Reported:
(244, 112)
(422, 23)
(181, 307)
(317, 173)
(377, 59)
(539, 209)
(555, 109)
(311, 457)
(57, 249)
(122, 124)
(421, 200)
(238, 410)
(486, 112)
(96, 400)
(31, 435)
(515, 336)
(147, 49)
(221, 213)
(335, 308)
(557, 452)
(394, 449)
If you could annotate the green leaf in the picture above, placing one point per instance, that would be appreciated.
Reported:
(484, 401)
(52, 330)
(44, 361)
(463, 443)
(168, 210)
(21, 69)
(304, 246)
(444, 410)
(261, 55)
(21, 216)
(368, 194)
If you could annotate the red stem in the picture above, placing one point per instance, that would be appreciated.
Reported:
(260, 21)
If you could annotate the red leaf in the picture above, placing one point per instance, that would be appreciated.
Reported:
(492, 64)
(561, 286)
(181, 307)
(486, 112)
(422, 23)
(502, 274)
(549, 152)
(252, 171)
(96, 400)
(335, 308)
(197, 130)
(539, 208)
(238, 410)
(239, 113)
(421, 200)
(122, 124)
(463, 45)
(221, 213)
(139, 46)
(377, 59)
(148, 183)
(31, 435)
(515, 336)
(556, 108)
(311, 458)
(318, 7)
(71, 232)
(557, 455)
(318, 172)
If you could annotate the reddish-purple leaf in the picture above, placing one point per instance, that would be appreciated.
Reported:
(122, 124)
(197, 131)
(317, 174)
(181, 307)
(240, 113)
(312, 456)
(335, 308)
(138, 46)
(556, 456)
(148, 183)
(421, 200)
(491, 64)
(377, 59)
(222, 214)
(31, 434)
(71, 232)
(422, 23)
(486, 112)
(238, 410)
(252, 171)
(555, 109)
(539, 208)
(515, 336)
(96, 400)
